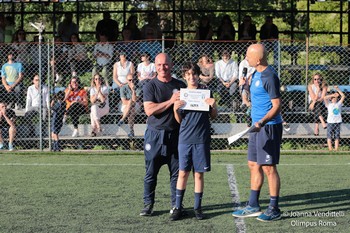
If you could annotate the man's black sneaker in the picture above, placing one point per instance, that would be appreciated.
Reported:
(176, 215)
(147, 210)
(199, 214)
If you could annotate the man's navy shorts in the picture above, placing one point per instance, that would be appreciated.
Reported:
(264, 146)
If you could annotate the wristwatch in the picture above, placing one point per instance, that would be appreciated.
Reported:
(261, 123)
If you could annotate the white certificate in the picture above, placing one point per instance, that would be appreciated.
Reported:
(195, 99)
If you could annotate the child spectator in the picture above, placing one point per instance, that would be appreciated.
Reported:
(58, 106)
(334, 118)
(7, 122)
(194, 144)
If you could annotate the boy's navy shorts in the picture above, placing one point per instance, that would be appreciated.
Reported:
(194, 155)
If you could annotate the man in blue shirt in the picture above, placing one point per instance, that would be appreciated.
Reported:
(162, 133)
(264, 143)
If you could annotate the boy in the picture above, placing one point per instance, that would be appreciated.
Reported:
(58, 106)
(334, 119)
(194, 143)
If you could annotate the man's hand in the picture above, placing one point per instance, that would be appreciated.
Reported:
(175, 97)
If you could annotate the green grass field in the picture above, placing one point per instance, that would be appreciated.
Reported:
(102, 192)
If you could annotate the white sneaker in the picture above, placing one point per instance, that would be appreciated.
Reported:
(75, 133)
(64, 120)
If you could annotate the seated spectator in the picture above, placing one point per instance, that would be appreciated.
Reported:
(76, 101)
(58, 107)
(132, 26)
(268, 30)
(247, 30)
(59, 61)
(152, 24)
(108, 26)
(131, 104)
(7, 122)
(226, 30)
(79, 62)
(21, 47)
(66, 28)
(99, 103)
(226, 70)
(146, 70)
(12, 77)
(207, 72)
(317, 89)
(103, 52)
(33, 100)
(151, 45)
(121, 69)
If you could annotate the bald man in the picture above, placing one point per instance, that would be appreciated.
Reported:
(162, 133)
(264, 143)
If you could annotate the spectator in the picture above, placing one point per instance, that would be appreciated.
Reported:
(107, 26)
(58, 107)
(132, 26)
(12, 77)
(7, 122)
(146, 70)
(247, 30)
(226, 30)
(152, 24)
(206, 71)
(9, 29)
(120, 70)
(103, 52)
(226, 70)
(33, 100)
(204, 30)
(99, 103)
(151, 45)
(334, 118)
(131, 103)
(79, 62)
(194, 144)
(59, 61)
(317, 89)
(66, 28)
(20, 45)
(76, 102)
(268, 30)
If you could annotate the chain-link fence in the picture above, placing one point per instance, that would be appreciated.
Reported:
(94, 125)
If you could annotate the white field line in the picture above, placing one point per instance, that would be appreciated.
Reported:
(142, 164)
(239, 222)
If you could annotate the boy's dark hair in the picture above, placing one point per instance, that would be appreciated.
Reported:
(59, 95)
(191, 66)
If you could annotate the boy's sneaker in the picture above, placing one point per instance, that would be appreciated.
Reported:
(271, 214)
(247, 211)
(199, 214)
(176, 215)
(286, 127)
(147, 210)
(11, 147)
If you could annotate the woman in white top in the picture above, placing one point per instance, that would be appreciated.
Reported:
(317, 89)
(33, 99)
(120, 70)
(99, 103)
(146, 70)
